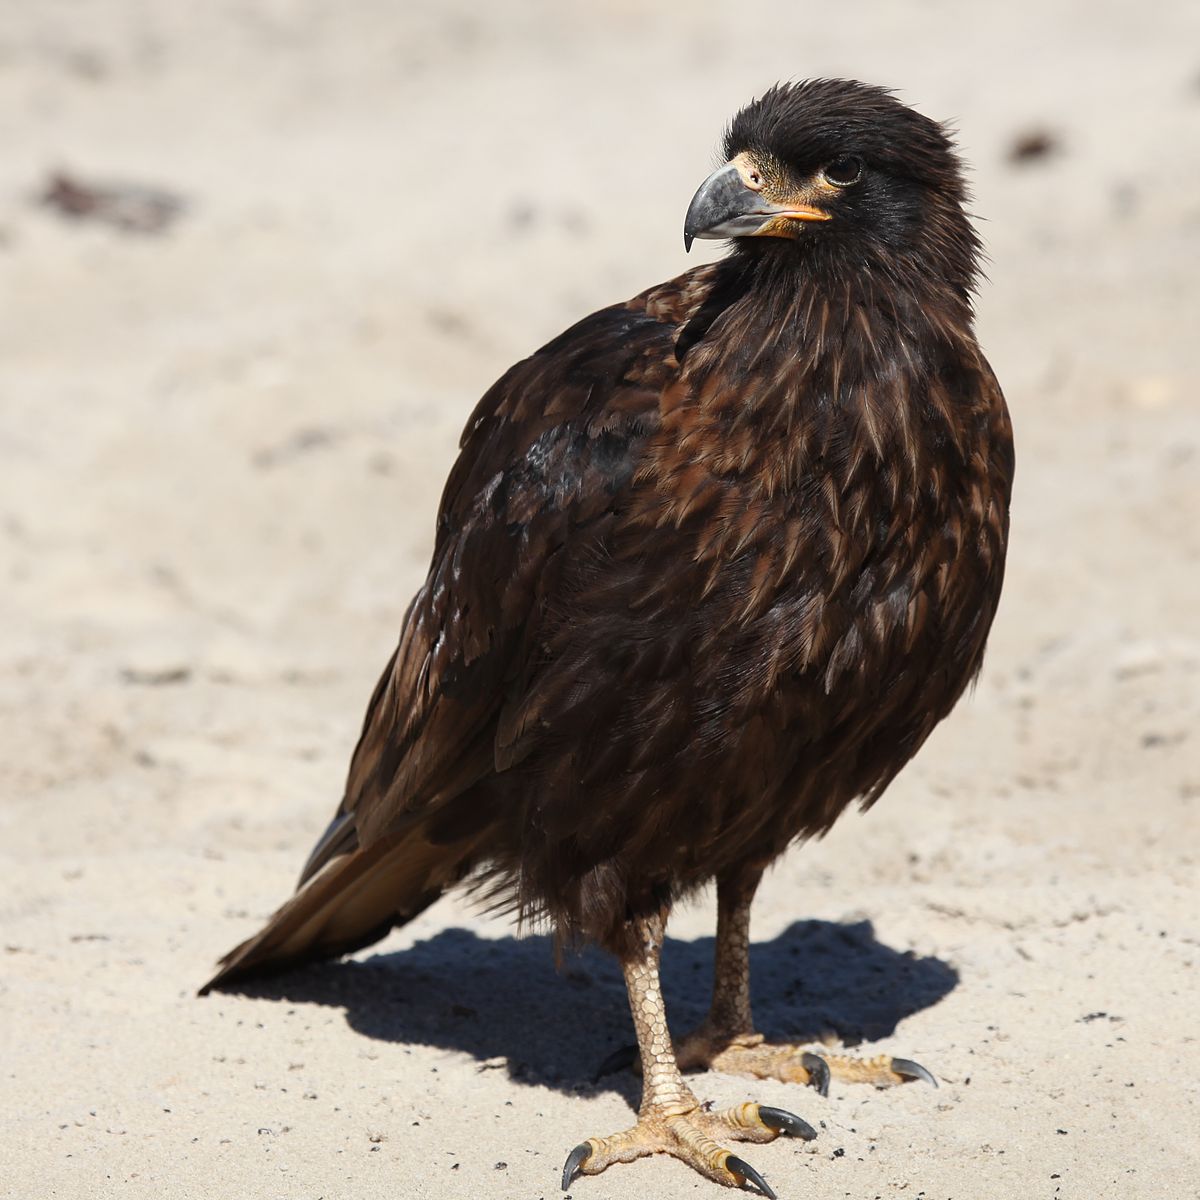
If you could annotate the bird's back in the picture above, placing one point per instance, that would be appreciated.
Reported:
(707, 570)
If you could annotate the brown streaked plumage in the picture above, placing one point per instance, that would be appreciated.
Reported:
(710, 567)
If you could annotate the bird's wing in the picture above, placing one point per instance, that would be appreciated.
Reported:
(544, 458)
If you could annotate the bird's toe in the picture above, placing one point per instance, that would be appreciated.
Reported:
(694, 1138)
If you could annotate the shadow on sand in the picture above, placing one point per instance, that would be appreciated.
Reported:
(502, 1001)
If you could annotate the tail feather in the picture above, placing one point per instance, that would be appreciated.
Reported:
(354, 901)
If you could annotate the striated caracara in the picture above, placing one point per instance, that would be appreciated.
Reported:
(710, 567)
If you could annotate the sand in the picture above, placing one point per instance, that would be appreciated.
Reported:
(221, 448)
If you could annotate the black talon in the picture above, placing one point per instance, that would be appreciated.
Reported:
(912, 1070)
(745, 1173)
(575, 1160)
(818, 1071)
(619, 1060)
(786, 1123)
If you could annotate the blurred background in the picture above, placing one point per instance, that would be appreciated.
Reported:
(259, 259)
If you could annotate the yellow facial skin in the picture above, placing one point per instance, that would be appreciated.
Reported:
(791, 202)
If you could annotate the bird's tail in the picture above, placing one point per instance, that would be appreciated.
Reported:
(352, 902)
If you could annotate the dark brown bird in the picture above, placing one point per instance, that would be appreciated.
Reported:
(709, 568)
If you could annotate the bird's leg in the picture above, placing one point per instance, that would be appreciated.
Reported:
(670, 1118)
(729, 1022)
(727, 1041)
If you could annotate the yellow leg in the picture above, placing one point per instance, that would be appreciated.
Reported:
(670, 1118)
(726, 1040)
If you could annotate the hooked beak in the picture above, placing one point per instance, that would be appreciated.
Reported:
(726, 206)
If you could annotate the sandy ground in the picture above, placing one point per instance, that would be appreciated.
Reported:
(220, 452)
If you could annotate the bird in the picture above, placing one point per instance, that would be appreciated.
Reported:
(709, 568)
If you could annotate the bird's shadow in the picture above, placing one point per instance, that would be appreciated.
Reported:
(502, 1000)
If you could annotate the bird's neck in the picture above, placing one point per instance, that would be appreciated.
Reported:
(811, 297)
(795, 376)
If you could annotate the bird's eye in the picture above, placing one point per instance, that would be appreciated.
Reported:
(842, 172)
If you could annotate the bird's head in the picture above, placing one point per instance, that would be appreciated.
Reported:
(843, 175)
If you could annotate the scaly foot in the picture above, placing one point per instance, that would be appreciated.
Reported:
(694, 1136)
(750, 1054)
